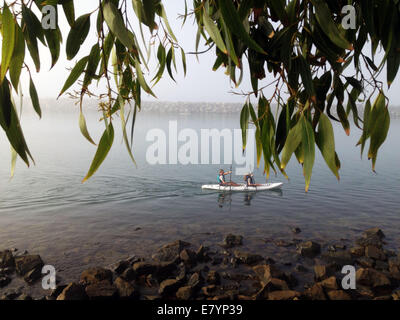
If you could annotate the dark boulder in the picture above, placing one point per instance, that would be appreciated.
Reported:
(73, 291)
(94, 275)
(232, 240)
(6, 259)
(170, 251)
(25, 264)
(248, 258)
(309, 249)
(101, 290)
(125, 289)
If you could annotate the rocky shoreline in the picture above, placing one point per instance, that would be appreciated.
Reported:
(180, 271)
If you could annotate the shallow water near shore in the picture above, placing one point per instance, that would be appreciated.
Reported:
(125, 210)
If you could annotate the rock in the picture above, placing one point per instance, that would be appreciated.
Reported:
(232, 240)
(381, 265)
(6, 259)
(283, 295)
(164, 270)
(4, 271)
(214, 277)
(357, 251)
(33, 275)
(316, 292)
(330, 283)
(394, 270)
(24, 297)
(283, 243)
(201, 254)
(266, 272)
(128, 274)
(338, 295)
(73, 292)
(340, 258)
(101, 290)
(184, 293)
(125, 289)
(374, 232)
(371, 240)
(188, 256)
(296, 230)
(248, 258)
(396, 295)
(195, 281)
(121, 266)
(169, 287)
(309, 249)
(94, 275)
(4, 281)
(182, 273)
(365, 262)
(141, 268)
(375, 253)
(384, 298)
(57, 291)
(24, 264)
(273, 285)
(301, 268)
(170, 251)
(321, 272)
(209, 290)
(372, 278)
(10, 295)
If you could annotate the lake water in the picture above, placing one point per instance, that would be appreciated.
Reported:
(125, 210)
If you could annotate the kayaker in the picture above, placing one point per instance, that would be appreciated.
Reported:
(249, 178)
(221, 179)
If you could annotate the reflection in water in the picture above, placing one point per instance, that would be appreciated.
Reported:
(225, 198)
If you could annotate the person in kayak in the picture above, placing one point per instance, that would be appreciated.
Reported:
(221, 179)
(250, 182)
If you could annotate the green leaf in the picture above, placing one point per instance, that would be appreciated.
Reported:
(293, 140)
(163, 14)
(235, 25)
(183, 56)
(8, 32)
(75, 74)
(33, 24)
(34, 98)
(324, 18)
(18, 58)
(84, 129)
(326, 143)
(93, 62)
(308, 144)
(213, 31)
(103, 148)
(366, 133)
(114, 20)
(53, 39)
(77, 35)
(306, 76)
(343, 118)
(69, 10)
(379, 127)
(141, 79)
(14, 157)
(244, 124)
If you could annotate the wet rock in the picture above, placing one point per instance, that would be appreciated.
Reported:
(6, 259)
(232, 240)
(316, 292)
(209, 290)
(184, 293)
(128, 274)
(165, 270)
(24, 297)
(216, 260)
(57, 291)
(365, 262)
(101, 290)
(188, 256)
(25, 264)
(214, 277)
(338, 295)
(195, 281)
(266, 272)
(339, 258)
(330, 283)
(273, 285)
(384, 298)
(125, 289)
(10, 295)
(309, 249)
(381, 265)
(121, 266)
(371, 240)
(248, 258)
(394, 269)
(169, 287)
(202, 254)
(33, 275)
(396, 295)
(374, 232)
(73, 291)
(372, 278)
(4, 281)
(94, 275)
(357, 251)
(322, 272)
(141, 268)
(283, 295)
(5, 271)
(296, 230)
(171, 251)
(182, 273)
(301, 268)
(375, 253)
(284, 243)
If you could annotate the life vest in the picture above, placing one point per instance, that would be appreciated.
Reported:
(247, 178)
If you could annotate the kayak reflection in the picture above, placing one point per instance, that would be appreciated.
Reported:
(225, 198)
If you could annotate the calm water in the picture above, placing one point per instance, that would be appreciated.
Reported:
(125, 210)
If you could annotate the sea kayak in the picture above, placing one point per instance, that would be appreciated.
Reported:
(242, 187)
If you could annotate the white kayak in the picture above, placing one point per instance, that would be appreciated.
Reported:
(242, 187)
